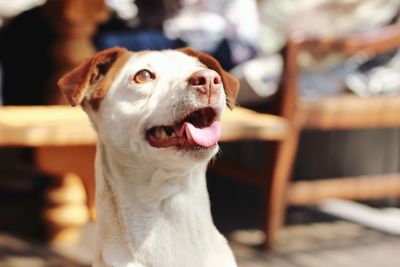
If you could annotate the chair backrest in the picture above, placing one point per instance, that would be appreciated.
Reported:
(372, 42)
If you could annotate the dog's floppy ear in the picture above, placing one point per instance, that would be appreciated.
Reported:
(93, 77)
(231, 84)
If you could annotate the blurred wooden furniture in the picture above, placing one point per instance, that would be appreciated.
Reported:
(65, 148)
(74, 23)
(345, 111)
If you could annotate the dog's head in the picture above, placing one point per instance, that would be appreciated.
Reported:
(153, 102)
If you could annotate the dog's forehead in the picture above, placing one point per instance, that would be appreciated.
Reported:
(170, 60)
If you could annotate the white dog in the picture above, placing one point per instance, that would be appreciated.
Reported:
(157, 118)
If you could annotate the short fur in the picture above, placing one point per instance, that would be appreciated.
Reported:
(152, 203)
(95, 75)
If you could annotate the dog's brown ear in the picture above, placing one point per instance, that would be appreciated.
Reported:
(231, 84)
(93, 77)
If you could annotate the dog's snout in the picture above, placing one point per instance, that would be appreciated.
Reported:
(205, 81)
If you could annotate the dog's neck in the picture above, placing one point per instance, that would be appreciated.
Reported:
(139, 205)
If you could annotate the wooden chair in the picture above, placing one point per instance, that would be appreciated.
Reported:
(344, 111)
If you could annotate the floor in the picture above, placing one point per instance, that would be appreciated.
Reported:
(338, 244)
(309, 239)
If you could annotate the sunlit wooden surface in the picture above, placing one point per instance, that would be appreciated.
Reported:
(349, 111)
(66, 126)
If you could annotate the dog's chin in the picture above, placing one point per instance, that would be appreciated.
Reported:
(188, 151)
(186, 154)
(197, 152)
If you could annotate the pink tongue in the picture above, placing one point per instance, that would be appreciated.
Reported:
(205, 137)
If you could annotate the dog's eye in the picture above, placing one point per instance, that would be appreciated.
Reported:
(143, 76)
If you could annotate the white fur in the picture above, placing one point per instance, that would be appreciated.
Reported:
(152, 203)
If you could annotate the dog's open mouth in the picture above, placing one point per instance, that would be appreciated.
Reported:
(199, 129)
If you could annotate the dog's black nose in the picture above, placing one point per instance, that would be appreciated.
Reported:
(205, 81)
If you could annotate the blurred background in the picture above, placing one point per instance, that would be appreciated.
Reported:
(321, 187)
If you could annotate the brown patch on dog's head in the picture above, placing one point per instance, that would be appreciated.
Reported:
(231, 84)
(92, 78)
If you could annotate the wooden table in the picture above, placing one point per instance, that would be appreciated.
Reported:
(64, 145)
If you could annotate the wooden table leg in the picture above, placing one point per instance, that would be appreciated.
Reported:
(70, 196)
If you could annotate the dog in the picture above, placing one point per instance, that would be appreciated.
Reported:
(157, 116)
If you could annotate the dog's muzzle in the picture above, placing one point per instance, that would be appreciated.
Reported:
(199, 128)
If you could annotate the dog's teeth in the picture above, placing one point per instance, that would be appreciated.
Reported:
(159, 132)
(173, 134)
(163, 134)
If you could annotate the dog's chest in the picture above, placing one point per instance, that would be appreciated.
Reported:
(182, 236)
(167, 245)
(180, 249)
(174, 240)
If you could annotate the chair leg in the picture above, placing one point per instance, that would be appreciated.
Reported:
(281, 171)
